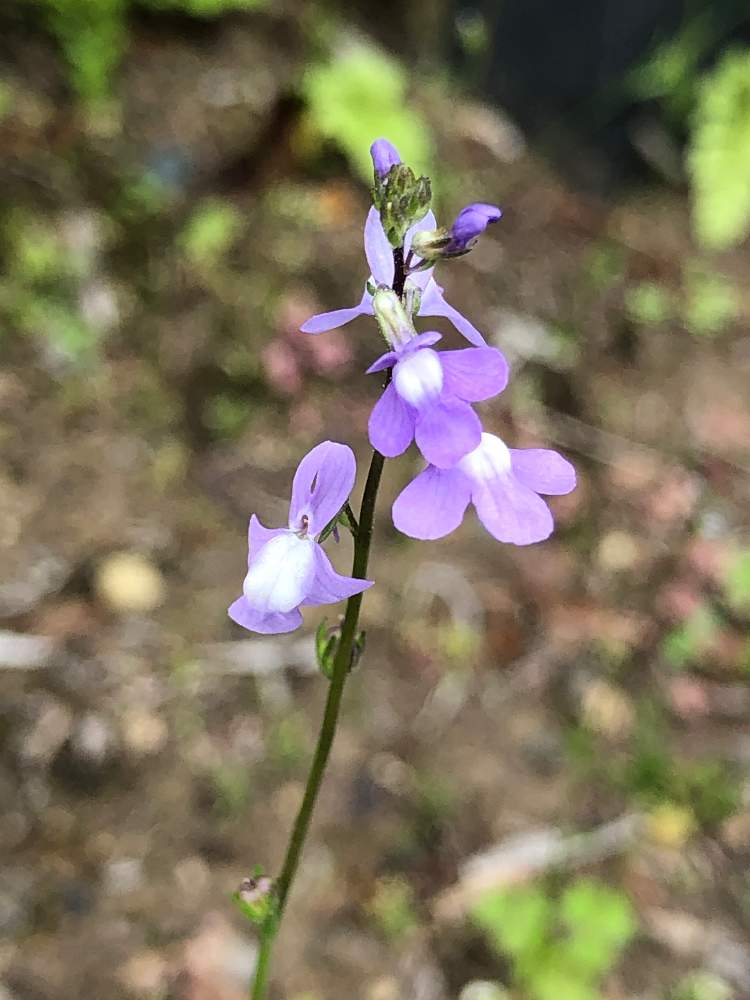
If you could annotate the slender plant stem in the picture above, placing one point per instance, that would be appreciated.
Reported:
(341, 666)
(264, 962)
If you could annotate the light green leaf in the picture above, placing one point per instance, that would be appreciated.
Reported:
(360, 96)
(719, 154)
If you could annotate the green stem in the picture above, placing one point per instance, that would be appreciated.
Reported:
(341, 666)
(264, 962)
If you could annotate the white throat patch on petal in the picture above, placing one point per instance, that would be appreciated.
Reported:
(419, 377)
(280, 578)
(489, 459)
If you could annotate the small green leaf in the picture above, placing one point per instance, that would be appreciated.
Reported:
(326, 644)
(359, 96)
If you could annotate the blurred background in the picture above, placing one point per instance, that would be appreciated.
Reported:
(541, 785)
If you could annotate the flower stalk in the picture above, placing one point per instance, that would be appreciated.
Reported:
(345, 653)
(428, 398)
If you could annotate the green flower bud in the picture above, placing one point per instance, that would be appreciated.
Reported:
(402, 199)
(394, 321)
(256, 898)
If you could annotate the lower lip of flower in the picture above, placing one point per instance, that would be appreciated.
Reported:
(419, 378)
(489, 459)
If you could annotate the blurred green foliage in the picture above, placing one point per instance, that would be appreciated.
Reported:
(288, 742)
(39, 292)
(93, 35)
(689, 640)
(359, 96)
(232, 788)
(702, 986)
(210, 232)
(653, 775)
(560, 948)
(707, 305)
(671, 72)
(393, 907)
(711, 302)
(719, 154)
(737, 581)
(648, 303)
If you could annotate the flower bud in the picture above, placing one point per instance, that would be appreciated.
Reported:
(393, 320)
(471, 221)
(384, 156)
(429, 244)
(255, 897)
(400, 197)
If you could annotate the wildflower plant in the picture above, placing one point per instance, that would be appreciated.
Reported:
(428, 396)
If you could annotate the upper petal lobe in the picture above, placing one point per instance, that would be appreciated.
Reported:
(323, 322)
(322, 484)
(475, 373)
(434, 304)
(377, 249)
(258, 535)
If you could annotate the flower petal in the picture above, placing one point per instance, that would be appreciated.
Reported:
(543, 471)
(475, 373)
(447, 431)
(258, 535)
(510, 511)
(433, 304)
(387, 360)
(323, 322)
(470, 222)
(328, 586)
(418, 378)
(391, 424)
(377, 249)
(422, 340)
(269, 623)
(322, 484)
(384, 156)
(433, 504)
(280, 576)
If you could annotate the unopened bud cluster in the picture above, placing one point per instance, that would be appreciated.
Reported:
(399, 195)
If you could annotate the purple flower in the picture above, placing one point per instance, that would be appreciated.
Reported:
(428, 399)
(503, 484)
(470, 223)
(380, 258)
(384, 156)
(286, 567)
